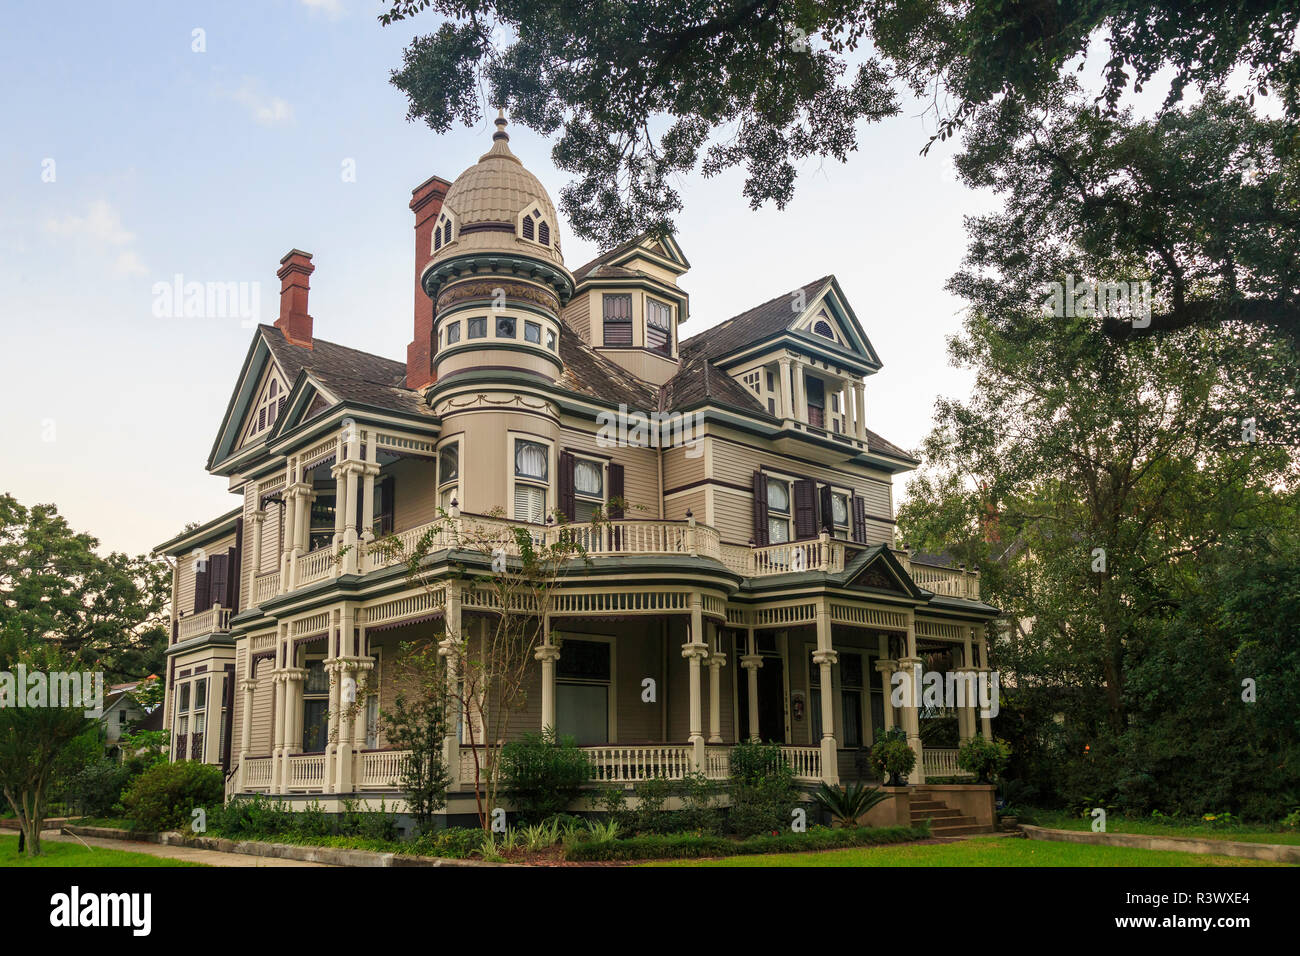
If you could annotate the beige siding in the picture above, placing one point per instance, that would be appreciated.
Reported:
(577, 315)
(185, 572)
(261, 716)
(415, 492)
(680, 468)
(640, 470)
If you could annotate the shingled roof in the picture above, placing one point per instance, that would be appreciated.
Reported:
(762, 321)
(350, 374)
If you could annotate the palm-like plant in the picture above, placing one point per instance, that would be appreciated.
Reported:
(847, 804)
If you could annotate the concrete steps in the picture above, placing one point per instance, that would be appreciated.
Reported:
(944, 821)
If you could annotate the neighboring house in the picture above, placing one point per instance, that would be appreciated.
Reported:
(752, 574)
(124, 715)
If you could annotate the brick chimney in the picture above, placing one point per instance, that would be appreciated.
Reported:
(294, 273)
(426, 203)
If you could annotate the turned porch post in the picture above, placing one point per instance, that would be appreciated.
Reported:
(751, 662)
(824, 657)
(695, 650)
(548, 654)
(368, 489)
(717, 660)
(911, 667)
(249, 686)
(986, 722)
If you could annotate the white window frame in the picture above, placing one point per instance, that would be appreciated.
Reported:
(848, 507)
(612, 700)
(457, 439)
(788, 514)
(512, 437)
(601, 502)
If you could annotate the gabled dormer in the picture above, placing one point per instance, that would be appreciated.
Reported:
(627, 305)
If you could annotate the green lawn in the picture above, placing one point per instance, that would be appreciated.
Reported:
(981, 851)
(74, 854)
(1061, 821)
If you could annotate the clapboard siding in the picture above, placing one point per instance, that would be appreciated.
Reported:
(640, 470)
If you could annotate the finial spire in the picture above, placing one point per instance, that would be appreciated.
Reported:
(501, 125)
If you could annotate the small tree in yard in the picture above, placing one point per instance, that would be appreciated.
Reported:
(33, 738)
(511, 571)
(418, 723)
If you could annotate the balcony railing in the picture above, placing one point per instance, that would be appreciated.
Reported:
(316, 566)
(938, 762)
(950, 582)
(214, 620)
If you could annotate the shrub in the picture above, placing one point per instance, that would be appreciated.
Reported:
(848, 804)
(1292, 820)
(690, 846)
(650, 815)
(892, 757)
(763, 791)
(542, 775)
(454, 843)
(984, 758)
(250, 817)
(163, 797)
(95, 789)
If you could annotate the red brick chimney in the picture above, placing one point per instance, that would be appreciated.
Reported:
(426, 203)
(294, 322)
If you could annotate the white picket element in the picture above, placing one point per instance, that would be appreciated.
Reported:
(316, 566)
(266, 586)
(941, 762)
(212, 621)
(257, 772)
(630, 764)
(306, 772)
(381, 769)
(806, 762)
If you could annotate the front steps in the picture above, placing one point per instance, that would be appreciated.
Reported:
(944, 821)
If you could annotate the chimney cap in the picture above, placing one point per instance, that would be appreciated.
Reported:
(294, 252)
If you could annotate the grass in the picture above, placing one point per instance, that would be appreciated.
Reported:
(981, 851)
(1117, 824)
(55, 854)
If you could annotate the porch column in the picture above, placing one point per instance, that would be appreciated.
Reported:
(986, 722)
(279, 710)
(340, 495)
(751, 662)
(800, 393)
(860, 409)
(787, 389)
(548, 654)
(368, 490)
(349, 775)
(966, 713)
(824, 657)
(887, 668)
(288, 528)
(695, 650)
(450, 649)
(911, 665)
(259, 518)
(717, 661)
(249, 686)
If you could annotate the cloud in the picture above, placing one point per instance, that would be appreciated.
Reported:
(128, 264)
(100, 224)
(265, 110)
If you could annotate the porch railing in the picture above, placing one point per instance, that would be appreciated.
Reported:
(381, 769)
(818, 554)
(950, 582)
(805, 761)
(212, 621)
(630, 764)
(941, 762)
(306, 772)
(257, 773)
(316, 566)
(266, 586)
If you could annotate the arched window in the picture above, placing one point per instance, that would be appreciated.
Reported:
(823, 328)
(528, 227)
(442, 232)
(544, 233)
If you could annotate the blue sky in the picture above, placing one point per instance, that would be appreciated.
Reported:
(213, 164)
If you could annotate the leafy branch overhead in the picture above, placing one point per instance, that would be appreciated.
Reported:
(642, 91)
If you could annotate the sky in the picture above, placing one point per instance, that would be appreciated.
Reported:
(152, 140)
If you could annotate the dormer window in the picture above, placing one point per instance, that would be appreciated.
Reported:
(823, 328)
(442, 232)
(816, 402)
(659, 327)
(534, 228)
(618, 320)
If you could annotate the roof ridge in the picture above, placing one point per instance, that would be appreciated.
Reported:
(740, 315)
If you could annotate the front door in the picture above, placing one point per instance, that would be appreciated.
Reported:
(771, 701)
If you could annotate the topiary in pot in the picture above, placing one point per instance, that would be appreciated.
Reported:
(984, 758)
(892, 757)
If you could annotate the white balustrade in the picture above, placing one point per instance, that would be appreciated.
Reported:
(805, 761)
(212, 621)
(941, 762)
(316, 565)
(630, 764)
(257, 773)
(266, 586)
(306, 772)
(381, 769)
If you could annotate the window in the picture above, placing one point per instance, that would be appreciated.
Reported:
(544, 233)
(533, 333)
(269, 408)
(815, 697)
(453, 333)
(582, 691)
(618, 319)
(550, 340)
(534, 228)
(478, 327)
(505, 326)
(851, 689)
(816, 390)
(531, 480)
(442, 232)
(658, 327)
(588, 488)
(778, 511)
(321, 532)
(823, 328)
(372, 722)
(840, 510)
(448, 474)
(528, 227)
(315, 707)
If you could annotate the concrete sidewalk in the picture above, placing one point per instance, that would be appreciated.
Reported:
(188, 854)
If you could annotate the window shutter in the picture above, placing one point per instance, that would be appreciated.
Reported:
(760, 509)
(233, 571)
(805, 508)
(859, 520)
(201, 595)
(218, 565)
(567, 505)
(827, 510)
(615, 490)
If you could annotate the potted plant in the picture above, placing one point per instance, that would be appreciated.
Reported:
(984, 758)
(892, 757)
(849, 803)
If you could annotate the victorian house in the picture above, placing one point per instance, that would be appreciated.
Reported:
(751, 572)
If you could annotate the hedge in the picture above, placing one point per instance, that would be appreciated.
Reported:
(688, 846)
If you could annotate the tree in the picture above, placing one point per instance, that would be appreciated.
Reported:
(646, 90)
(509, 571)
(106, 612)
(418, 724)
(33, 737)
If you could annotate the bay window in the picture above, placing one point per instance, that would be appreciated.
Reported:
(618, 319)
(532, 479)
(658, 327)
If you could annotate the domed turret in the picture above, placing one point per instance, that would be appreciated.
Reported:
(496, 273)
